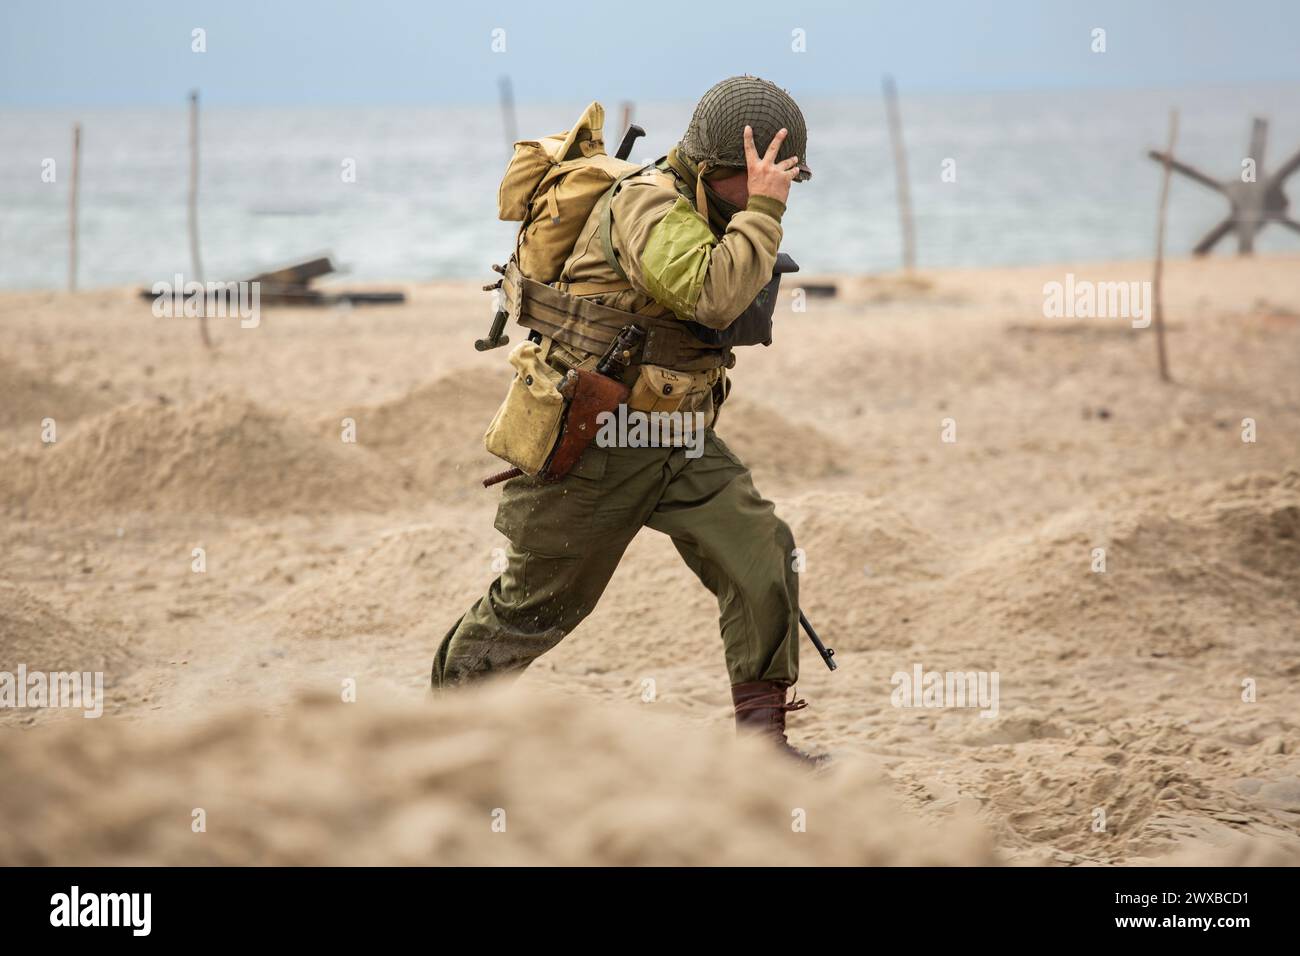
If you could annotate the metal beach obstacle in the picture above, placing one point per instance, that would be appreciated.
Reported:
(1255, 198)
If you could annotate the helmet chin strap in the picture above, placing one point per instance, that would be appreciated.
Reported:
(686, 168)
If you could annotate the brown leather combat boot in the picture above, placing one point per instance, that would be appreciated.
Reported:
(761, 708)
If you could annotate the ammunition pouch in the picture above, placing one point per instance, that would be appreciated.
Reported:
(658, 389)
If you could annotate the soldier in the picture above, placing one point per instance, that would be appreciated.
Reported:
(686, 245)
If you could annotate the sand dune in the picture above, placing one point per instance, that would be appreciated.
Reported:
(35, 633)
(497, 776)
(435, 431)
(1183, 567)
(564, 783)
(30, 398)
(779, 447)
(408, 577)
(223, 455)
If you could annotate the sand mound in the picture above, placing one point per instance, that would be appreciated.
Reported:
(334, 783)
(864, 560)
(435, 432)
(774, 445)
(34, 633)
(26, 399)
(1250, 523)
(220, 456)
(854, 536)
(421, 577)
(1157, 809)
(1184, 568)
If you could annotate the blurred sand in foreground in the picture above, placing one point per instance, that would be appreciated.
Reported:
(329, 561)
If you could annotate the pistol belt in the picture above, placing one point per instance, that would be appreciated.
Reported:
(584, 324)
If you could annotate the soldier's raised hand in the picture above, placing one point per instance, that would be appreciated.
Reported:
(767, 177)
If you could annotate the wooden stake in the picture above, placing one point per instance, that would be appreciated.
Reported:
(1158, 311)
(508, 122)
(900, 173)
(72, 207)
(195, 262)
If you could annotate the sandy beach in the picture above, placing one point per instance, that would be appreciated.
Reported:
(329, 564)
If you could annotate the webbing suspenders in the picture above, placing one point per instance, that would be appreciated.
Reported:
(607, 220)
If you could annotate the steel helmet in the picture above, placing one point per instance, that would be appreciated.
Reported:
(717, 128)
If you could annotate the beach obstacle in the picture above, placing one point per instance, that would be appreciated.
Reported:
(1162, 358)
(192, 209)
(73, 199)
(906, 222)
(1255, 198)
(290, 284)
(509, 124)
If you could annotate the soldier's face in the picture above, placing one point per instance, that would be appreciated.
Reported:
(734, 188)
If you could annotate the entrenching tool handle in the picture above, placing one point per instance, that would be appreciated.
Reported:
(495, 339)
(633, 133)
(827, 653)
(500, 476)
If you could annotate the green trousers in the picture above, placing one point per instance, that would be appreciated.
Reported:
(566, 539)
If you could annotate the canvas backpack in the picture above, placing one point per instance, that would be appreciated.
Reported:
(551, 187)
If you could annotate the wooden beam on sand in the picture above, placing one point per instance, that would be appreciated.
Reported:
(290, 284)
(1158, 311)
(297, 273)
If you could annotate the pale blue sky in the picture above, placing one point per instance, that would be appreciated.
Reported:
(85, 53)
